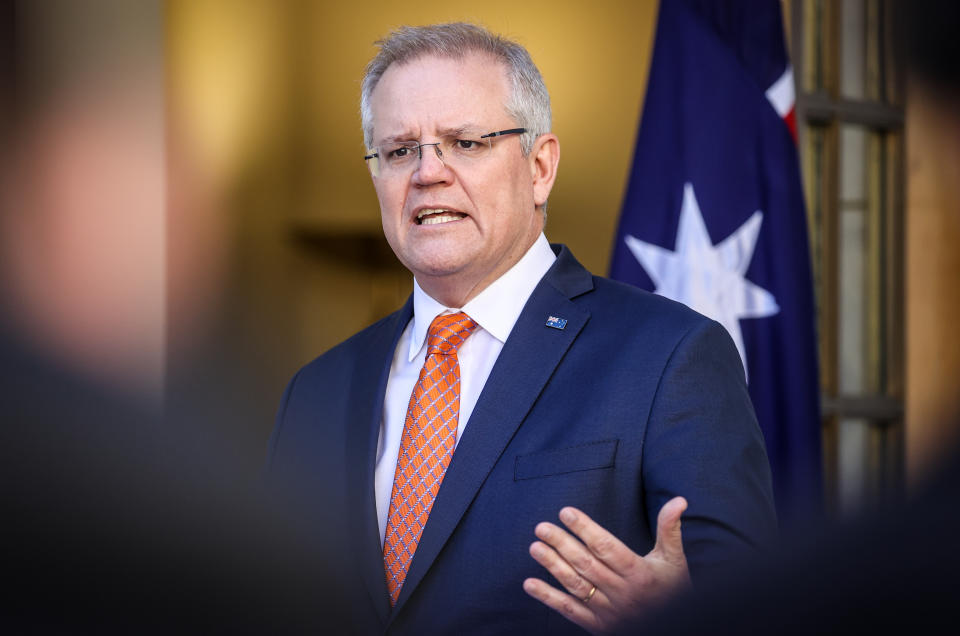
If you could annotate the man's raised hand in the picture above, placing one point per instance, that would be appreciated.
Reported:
(608, 585)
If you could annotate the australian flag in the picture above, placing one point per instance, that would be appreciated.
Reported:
(714, 215)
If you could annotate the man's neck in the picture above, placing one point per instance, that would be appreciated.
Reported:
(456, 290)
(452, 293)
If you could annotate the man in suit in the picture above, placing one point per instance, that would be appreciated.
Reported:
(512, 386)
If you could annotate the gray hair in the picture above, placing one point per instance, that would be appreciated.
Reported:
(528, 103)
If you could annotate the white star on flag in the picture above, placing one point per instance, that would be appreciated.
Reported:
(706, 277)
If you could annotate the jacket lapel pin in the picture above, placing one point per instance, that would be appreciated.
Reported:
(556, 323)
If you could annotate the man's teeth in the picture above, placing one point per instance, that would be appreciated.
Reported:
(439, 218)
(433, 217)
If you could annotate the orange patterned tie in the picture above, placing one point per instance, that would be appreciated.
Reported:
(429, 436)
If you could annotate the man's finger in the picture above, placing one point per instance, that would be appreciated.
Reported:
(573, 609)
(602, 544)
(669, 540)
(562, 571)
(571, 550)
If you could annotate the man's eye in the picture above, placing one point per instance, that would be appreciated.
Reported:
(467, 144)
(398, 153)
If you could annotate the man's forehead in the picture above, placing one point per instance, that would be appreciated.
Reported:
(474, 72)
(449, 94)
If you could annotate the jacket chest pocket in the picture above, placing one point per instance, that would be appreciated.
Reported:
(589, 456)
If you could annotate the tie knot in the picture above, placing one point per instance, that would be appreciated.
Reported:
(448, 332)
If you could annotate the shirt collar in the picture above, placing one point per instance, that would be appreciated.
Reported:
(497, 308)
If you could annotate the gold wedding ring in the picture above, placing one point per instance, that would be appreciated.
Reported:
(593, 590)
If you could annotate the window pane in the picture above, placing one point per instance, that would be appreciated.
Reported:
(853, 458)
(853, 40)
(853, 259)
(864, 36)
(874, 42)
(864, 277)
(867, 465)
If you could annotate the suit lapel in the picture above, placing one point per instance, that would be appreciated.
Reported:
(362, 437)
(528, 360)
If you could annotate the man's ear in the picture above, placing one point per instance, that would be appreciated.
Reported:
(544, 158)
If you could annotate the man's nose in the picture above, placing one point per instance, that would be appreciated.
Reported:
(432, 167)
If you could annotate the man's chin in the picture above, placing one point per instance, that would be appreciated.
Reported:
(440, 270)
(440, 258)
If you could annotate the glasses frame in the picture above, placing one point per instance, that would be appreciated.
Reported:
(436, 145)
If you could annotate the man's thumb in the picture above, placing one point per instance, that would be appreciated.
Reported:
(669, 544)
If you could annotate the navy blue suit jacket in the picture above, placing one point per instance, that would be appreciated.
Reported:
(636, 400)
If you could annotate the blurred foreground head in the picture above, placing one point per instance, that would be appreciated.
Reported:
(88, 279)
(113, 521)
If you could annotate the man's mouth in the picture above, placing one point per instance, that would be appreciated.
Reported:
(435, 216)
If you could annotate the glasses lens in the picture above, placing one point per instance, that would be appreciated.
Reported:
(398, 157)
(465, 149)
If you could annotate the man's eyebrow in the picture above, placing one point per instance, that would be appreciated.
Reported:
(401, 138)
(458, 131)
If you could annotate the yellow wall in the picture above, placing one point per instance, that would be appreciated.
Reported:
(270, 195)
(252, 75)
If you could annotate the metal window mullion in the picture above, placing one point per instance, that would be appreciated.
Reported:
(821, 108)
(875, 407)
(894, 385)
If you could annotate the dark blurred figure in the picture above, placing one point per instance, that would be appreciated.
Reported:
(893, 571)
(109, 528)
(113, 520)
(932, 48)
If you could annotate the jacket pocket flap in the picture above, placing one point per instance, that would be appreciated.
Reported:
(589, 456)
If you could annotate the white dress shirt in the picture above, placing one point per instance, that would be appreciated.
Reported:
(495, 310)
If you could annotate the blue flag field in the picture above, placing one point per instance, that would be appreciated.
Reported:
(714, 215)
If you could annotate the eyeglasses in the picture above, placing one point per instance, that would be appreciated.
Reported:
(399, 158)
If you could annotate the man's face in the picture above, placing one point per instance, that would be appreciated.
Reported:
(492, 217)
